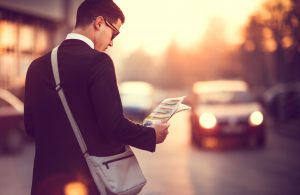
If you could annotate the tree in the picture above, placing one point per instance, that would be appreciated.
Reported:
(272, 43)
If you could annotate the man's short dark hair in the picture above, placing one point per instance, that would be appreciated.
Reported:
(90, 9)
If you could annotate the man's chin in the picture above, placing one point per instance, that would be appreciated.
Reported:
(101, 50)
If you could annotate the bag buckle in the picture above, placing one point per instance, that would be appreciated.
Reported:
(58, 87)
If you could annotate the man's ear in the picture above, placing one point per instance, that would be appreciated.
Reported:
(96, 25)
(98, 22)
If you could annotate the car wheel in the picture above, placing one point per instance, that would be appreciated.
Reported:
(13, 141)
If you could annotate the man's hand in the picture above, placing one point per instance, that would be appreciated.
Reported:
(161, 130)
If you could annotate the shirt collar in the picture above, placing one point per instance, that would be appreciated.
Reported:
(82, 38)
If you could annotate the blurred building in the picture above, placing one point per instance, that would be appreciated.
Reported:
(28, 29)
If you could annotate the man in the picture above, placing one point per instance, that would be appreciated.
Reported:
(89, 83)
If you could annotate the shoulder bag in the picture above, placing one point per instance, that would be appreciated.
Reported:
(118, 174)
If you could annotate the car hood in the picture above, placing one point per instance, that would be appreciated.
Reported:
(229, 110)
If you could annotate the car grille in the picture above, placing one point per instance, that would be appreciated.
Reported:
(233, 125)
(233, 121)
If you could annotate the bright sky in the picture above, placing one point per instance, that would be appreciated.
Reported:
(152, 24)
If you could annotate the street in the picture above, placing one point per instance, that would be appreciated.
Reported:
(179, 168)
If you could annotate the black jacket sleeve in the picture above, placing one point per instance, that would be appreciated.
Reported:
(107, 105)
(28, 116)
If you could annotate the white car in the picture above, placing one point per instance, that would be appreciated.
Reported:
(224, 113)
(12, 132)
(137, 99)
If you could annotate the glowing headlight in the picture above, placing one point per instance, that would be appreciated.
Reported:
(256, 118)
(207, 120)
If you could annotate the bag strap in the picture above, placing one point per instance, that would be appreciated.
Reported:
(65, 103)
(76, 130)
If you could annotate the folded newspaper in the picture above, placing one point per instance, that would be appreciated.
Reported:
(165, 110)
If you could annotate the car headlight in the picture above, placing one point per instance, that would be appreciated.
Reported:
(207, 120)
(256, 118)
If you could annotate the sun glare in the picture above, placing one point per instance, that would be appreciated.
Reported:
(152, 25)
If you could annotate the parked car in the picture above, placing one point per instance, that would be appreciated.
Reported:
(224, 112)
(282, 101)
(137, 99)
(11, 122)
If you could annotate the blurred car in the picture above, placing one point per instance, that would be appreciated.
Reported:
(282, 102)
(225, 113)
(137, 99)
(11, 122)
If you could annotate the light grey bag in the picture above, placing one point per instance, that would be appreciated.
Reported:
(118, 174)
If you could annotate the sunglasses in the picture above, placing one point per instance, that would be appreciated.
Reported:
(114, 29)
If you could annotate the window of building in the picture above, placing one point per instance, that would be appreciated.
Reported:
(22, 39)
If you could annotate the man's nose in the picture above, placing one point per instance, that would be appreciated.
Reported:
(111, 43)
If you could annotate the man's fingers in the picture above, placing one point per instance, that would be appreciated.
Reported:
(161, 131)
(166, 125)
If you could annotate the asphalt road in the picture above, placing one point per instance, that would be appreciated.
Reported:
(178, 168)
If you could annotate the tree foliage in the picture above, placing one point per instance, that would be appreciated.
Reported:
(271, 47)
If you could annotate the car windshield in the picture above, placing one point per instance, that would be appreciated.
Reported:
(232, 97)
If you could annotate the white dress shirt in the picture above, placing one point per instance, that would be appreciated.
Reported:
(82, 38)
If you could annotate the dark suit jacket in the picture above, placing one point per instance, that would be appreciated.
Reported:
(89, 82)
